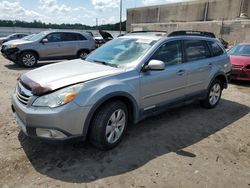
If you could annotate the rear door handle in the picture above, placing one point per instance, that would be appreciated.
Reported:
(181, 72)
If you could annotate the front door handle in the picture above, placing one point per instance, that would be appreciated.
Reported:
(181, 72)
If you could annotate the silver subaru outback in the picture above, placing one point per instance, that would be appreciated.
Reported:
(120, 83)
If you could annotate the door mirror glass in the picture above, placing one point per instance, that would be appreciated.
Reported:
(45, 40)
(155, 65)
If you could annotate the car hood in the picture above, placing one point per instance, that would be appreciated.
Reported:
(55, 76)
(2, 38)
(17, 42)
(240, 60)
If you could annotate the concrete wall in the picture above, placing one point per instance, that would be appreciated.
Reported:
(198, 10)
(233, 31)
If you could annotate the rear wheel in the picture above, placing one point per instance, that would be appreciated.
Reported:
(28, 59)
(108, 125)
(213, 95)
(82, 54)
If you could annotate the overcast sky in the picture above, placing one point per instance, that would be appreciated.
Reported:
(70, 11)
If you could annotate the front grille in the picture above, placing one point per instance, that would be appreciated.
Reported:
(2, 48)
(22, 94)
(237, 66)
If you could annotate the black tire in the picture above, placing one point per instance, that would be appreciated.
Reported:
(82, 54)
(28, 59)
(207, 102)
(98, 136)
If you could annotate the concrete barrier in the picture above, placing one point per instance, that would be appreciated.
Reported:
(193, 11)
(233, 31)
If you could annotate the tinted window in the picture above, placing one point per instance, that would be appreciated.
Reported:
(170, 53)
(196, 50)
(54, 37)
(216, 49)
(68, 37)
(72, 37)
(80, 37)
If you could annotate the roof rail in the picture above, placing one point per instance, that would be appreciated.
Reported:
(192, 33)
(148, 31)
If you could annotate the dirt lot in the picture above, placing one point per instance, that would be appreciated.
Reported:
(184, 147)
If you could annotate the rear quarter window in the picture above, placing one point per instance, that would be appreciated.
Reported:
(196, 50)
(215, 48)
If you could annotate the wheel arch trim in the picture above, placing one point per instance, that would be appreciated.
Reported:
(101, 101)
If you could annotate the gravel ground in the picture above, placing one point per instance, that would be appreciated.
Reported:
(183, 147)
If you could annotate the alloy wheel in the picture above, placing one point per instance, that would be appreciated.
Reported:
(29, 60)
(214, 94)
(115, 126)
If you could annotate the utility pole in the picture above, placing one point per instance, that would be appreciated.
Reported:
(206, 11)
(96, 22)
(120, 16)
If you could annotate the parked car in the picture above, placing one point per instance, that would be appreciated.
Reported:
(240, 59)
(17, 40)
(122, 82)
(12, 37)
(48, 45)
(105, 37)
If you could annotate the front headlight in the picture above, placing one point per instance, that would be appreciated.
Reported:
(59, 97)
(11, 46)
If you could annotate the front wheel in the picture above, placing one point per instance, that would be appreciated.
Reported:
(108, 125)
(213, 95)
(28, 59)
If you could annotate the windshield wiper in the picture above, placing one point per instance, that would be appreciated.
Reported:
(105, 63)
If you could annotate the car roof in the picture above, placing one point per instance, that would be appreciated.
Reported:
(17, 34)
(63, 31)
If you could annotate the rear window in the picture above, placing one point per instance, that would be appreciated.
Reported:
(216, 49)
(196, 50)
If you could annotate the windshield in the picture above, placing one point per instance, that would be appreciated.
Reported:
(38, 36)
(240, 50)
(28, 37)
(121, 52)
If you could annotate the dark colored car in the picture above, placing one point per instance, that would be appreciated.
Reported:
(240, 59)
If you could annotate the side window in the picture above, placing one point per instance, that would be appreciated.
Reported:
(196, 50)
(54, 37)
(216, 49)
(67, 37)
(170, 53)
(80, 37)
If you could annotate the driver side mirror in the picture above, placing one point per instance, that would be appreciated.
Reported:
(45, 40)
(156, 65)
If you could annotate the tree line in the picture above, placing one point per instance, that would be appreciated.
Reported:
(39, 24)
